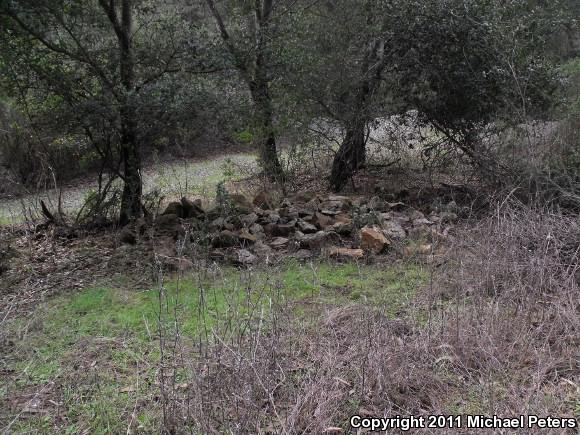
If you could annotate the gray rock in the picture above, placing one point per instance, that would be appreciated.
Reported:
(281, 230)
(316, 240)
(394, 230)
(279, 242)
(224, 239)
(272, 218)
(174, 208)
(257, 230)
(342, 228)
(245, 257)
(378, 204)
(448, 217)
(303, 197)
(262, 249)
(246, 237)
(289, 213)
(249, 219)
(217, 224)
(421, 221)
(192, 209)
(302, 254)
(415, 214)
(305, 227)
(397, 206)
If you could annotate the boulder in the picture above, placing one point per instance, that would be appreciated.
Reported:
(310, 207)
(245, 257)
(369, 219)
(397, 206)
(322, 221)
(316, 240)
(303, 197)
(217, 224)
(373, 240)
(174, 208)
(178, 264)
(246, 237)
(168, 224)
(346, 253)
(248, 219)
(224, 239)
(279, 242)
(257, 230)
(192, 209)
(165, 246)
(289, 213)
(344, 228)
(261, 249)
(421, 221)
(335, 204)
(280, 230)
(306, 227)
(378, 204)
(415, 214)
(447, 217)
(272, 217)
(302, 254)
(393, 230)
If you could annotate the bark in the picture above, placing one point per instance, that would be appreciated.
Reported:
(266, 134)
(131, 205)
(350, 157)
(255, 73)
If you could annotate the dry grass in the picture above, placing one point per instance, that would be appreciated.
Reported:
(511, 320)
(495, 332)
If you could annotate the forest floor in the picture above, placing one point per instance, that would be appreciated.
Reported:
(96, 337)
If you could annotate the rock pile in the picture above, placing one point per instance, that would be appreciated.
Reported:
(254, 229)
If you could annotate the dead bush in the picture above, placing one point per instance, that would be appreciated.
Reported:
(511, 310)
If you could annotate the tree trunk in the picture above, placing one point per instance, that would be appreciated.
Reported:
(255, 73)
(266, 134)
(131, 206)
(350, 156)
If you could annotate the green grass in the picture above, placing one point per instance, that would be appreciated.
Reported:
(99, 345)
(7, 220)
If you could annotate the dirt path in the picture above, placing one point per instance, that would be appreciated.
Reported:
(176, 178)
